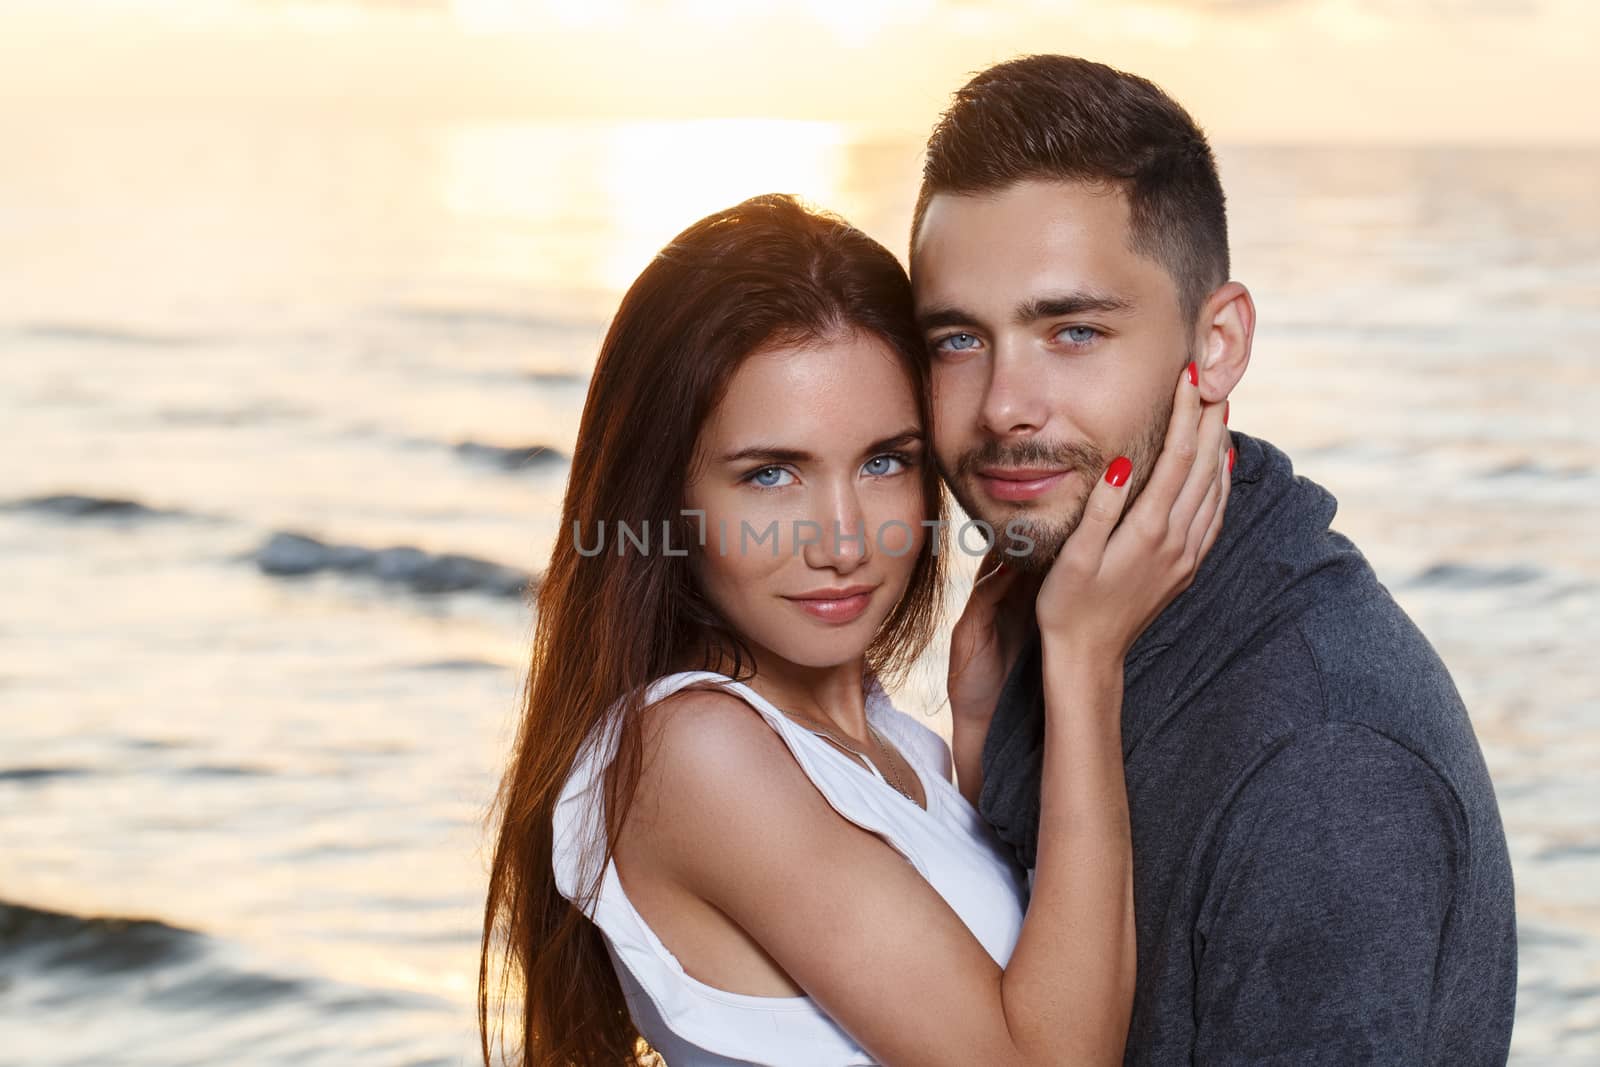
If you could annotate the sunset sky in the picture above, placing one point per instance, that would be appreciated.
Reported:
(1250, 70)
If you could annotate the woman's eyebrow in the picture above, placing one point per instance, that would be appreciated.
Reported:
(780, 454)
(910, 435)
(775, 453)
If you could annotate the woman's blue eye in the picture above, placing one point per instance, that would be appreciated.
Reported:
(1078, 335)
(884, 464)
(950, 343)
(767, 477)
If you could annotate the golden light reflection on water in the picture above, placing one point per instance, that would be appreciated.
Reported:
(630, 187)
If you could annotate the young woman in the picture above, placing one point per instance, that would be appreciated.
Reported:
(716, 833)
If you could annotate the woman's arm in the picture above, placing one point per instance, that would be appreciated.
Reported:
(967, 735)
(1081, 951)
(984, 645)
(725, 812)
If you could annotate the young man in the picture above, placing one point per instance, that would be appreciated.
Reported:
(1320, 873)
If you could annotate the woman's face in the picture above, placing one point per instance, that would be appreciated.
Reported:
(809, 476)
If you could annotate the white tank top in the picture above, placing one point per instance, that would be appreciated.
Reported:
(692, 1024)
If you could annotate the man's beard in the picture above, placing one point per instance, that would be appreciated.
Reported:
(1024, 518)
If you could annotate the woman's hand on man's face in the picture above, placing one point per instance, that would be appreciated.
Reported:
(1114, 575)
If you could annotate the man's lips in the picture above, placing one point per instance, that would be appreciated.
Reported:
(1020, 483)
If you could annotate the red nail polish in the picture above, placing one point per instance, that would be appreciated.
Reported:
(1117, 474)
(1194, 373)
(1232, 453)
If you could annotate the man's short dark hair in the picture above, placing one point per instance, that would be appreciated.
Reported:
(1065, 118)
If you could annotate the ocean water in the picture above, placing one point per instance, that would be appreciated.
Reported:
(284, 419)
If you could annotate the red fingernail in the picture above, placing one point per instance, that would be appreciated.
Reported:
(1118, 473)
(1194, 373)
(1232, 452)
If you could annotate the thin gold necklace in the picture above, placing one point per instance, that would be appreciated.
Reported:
(893, 777)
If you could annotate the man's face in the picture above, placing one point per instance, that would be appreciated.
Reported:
(1054, 350)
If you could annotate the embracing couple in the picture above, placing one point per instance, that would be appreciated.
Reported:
(1211, 797)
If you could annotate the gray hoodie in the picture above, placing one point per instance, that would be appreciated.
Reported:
(1320, 873)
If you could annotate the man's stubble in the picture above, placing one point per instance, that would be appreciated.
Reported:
(1049, 533)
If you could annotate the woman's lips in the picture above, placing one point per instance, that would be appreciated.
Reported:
(1020, 484)
(835, 609)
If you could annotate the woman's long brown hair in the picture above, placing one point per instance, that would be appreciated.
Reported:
(763, 272)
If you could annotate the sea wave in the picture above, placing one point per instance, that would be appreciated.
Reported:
(1477, 576)
(511, 457)
(188, 994)
(288, 554)
(99, 333)
(89, 506)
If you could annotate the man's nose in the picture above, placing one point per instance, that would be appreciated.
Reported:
(1014, 396)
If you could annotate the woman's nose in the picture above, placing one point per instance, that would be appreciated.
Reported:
(843, 541)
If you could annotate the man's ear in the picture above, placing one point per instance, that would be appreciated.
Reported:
(1223, 333)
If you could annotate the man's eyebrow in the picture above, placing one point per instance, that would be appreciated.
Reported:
(1076, 302)
(936, 317)
(1048, 305)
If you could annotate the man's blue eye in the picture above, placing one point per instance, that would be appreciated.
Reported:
(966, 341)
(1079, 335)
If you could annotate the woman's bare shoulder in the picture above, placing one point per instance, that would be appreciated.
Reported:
(705, 748)
(704, 721)
(710, 766)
